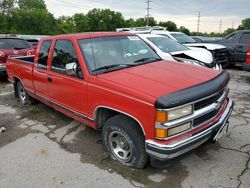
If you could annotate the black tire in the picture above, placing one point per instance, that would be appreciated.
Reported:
(23, 96)
(123, 134)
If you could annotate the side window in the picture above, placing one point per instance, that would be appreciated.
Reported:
(43, 55)
(65, 60)
(230, 37)
(245, 38)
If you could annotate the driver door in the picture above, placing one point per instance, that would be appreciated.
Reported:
(66, 85)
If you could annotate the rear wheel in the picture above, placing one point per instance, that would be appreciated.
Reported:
(125, 141)
(23, 96)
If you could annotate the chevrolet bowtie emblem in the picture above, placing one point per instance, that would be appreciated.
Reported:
(217, 105)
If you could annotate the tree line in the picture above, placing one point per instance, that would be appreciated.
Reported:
(32, 17)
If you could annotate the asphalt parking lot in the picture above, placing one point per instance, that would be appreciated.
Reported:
(44, 148)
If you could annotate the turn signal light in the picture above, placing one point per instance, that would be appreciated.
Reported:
(161, 116)
(31, 52)
(248, 56)
(1, 54)
(161, 133)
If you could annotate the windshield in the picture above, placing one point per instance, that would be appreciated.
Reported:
(167, 45)
(108, 53)
(13, 44)
(182, 38)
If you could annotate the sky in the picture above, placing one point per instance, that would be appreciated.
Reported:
(183, 12)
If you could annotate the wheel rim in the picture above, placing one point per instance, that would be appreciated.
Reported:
(120, 146)
(22, 93)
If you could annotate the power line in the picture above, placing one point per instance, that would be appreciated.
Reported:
(67, 4)
(220, 25)
(148, 9)
(198, 24)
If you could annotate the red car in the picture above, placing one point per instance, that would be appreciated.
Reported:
(114, 82)
(11, 46)
(247, 64)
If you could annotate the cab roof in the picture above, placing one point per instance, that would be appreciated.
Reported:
(150, 35)
(11, 38)
(87, 35)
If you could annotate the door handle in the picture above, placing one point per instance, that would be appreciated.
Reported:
(49, 79)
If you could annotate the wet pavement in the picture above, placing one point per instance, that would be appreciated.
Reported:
(43, 148)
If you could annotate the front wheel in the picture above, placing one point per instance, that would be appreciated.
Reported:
(124, 140)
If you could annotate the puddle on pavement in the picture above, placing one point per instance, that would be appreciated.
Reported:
(13, 131)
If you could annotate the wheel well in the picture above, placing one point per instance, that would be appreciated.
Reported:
(103, 114)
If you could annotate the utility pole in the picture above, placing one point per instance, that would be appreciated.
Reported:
(198, 25)
(148, 9)
(220, 24)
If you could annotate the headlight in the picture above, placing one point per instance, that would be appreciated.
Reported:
(180, 112)
(164, 116)
(179, 129)
(167, 132)
(189, 61)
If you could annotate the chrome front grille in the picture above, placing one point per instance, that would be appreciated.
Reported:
(208, 101)
(221, 56)
(218, 100)
(200, 120)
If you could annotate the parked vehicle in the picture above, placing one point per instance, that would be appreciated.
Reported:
(201, 39)
(169, 49)
(10, 46)
(237, 43)
(116, 83)
(246, 67)
(32, 42)
(219, 52)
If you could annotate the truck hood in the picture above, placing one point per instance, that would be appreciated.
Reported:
(198, 54)
(208, 46)
(150, 81)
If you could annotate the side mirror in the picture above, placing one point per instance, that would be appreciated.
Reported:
(70, 68)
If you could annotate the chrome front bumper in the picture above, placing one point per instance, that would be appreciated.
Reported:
(165, 152)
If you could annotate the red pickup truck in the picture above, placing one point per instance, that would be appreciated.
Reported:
(116, 83)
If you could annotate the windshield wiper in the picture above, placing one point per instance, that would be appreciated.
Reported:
(187, 42)
(108, 67)
(147, 60)
(18, 48)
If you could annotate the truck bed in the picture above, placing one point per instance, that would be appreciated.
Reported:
(24, 59)
(21, 67)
